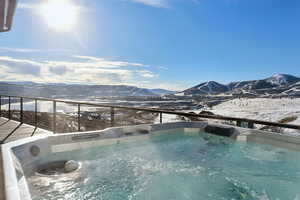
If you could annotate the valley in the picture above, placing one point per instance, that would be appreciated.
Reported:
(272, 99)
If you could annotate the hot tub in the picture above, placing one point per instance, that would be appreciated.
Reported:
(186, 160)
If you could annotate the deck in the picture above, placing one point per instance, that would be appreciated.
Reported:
(11, 130)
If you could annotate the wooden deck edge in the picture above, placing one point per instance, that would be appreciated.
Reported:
(2, 185)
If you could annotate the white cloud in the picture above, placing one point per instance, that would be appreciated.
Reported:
(19, 66)
(153, 3)
(106, 63)
(87, 70)
(59, 70)
(91, 70)
(160, 3)
(19, 50)
(35, 6)
(24, 50)
(162, 67)
(147, 73)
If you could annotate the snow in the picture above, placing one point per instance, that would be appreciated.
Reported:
(265, 109)
(293, 90)
(211, 85)
(296, 84)
(167, 118)
(262, 109)
(278, 79)
(179, 94)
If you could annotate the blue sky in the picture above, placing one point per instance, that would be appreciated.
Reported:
(172, 44)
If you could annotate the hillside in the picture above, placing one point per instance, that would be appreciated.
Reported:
(281, 84)
(75, 90)
(283, 110)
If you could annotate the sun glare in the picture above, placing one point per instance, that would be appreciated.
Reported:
(60, 15)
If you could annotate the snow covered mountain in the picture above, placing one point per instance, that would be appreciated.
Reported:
(278, 84)
(210, 87)
(159, 91)
(75, 90)
(279, 80)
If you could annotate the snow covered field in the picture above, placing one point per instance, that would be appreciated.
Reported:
(265, 109)
(262, 109)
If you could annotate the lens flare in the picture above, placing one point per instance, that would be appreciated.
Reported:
(60, 15)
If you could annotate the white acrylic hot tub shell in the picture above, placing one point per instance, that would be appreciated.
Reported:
(17, 153)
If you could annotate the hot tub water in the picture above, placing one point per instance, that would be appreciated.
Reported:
(176, 165)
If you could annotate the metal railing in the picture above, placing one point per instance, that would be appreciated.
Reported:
(239, 121)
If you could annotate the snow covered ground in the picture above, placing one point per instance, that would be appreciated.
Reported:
(168, 118)
(262, 109)
(259, 108)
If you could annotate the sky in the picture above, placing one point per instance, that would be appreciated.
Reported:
(171, 44)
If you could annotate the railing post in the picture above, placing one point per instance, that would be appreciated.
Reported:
(0, 106)
(54, 116)
(239, 123)
(35, 112)
(160, 118)
(112, 116)
(9, 116)
(250, 125)
(21, 109)
(78, 117)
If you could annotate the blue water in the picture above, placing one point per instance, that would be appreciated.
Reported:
(178, 166)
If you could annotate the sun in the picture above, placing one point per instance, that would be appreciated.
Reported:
(60, 15)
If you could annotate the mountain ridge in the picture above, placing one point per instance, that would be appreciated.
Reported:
(280, 82)
(62, 90)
